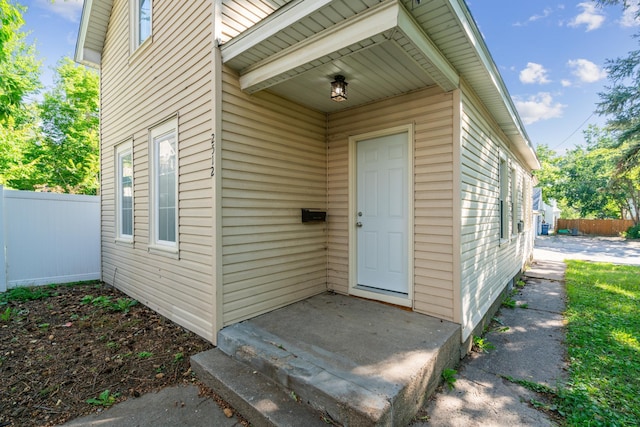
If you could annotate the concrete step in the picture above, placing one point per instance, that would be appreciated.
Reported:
(360, 363)
(258, 399)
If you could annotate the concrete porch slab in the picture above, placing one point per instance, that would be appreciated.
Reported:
(357, 362)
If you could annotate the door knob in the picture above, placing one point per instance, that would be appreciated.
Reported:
(358, 224)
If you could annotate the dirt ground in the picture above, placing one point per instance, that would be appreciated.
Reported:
(67, 351)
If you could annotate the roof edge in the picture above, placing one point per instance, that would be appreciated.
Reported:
(84, 55)
(463, 13)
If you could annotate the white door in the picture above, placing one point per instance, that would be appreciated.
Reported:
(382, 213)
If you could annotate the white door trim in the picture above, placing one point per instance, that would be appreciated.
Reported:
(352, 219)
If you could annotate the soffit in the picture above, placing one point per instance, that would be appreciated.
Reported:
(93, 31)
(377, 46)
(425, 43)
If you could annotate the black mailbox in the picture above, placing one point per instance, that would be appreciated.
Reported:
(309, 215)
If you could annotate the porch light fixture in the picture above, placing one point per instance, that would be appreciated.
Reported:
(339, 89)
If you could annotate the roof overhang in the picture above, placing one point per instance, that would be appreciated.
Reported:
(385, 22)
(385, 48)
(92, 32)
(389, 48)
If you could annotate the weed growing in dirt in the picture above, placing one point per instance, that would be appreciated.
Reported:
(449, 377)
(120, 305)
(509, 302)
(145, 355)
(482, 345)
(106, 399)
(23, 294)
(6, 315)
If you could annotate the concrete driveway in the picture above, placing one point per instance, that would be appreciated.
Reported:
(599, 249)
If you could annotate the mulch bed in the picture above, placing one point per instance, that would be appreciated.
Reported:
(75, 342)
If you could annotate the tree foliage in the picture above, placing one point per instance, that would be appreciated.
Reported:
(70, 120)
(621, 99)
(49, 144)
(19, 69)
(586, 181)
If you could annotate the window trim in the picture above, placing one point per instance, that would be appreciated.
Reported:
(134, 27)
(122, 150)
(155, 133)
(515, 208)
(503, 197)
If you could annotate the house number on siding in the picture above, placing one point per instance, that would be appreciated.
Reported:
(213, 153)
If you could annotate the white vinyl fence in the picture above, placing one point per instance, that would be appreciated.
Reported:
(48, 238)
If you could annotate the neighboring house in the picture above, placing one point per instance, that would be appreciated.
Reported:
(545, 213)
(217, 128)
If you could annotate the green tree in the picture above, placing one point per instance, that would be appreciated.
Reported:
(10, 17)
(585, 181)
(19, 69)
(549, 173)
(621, 99)
(19, 78)
(70, 123)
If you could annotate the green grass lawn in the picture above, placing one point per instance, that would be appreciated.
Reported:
(603, 338)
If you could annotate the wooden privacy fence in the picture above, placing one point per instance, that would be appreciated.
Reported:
(48, 238)
(596, 227)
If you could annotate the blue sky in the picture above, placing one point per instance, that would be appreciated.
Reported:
(550, 54)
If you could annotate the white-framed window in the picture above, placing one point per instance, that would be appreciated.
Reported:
(164, 185)
(141, 22)
(503, 173)
(124, 191)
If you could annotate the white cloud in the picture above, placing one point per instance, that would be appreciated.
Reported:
(538, 107)
(590, 17)
(534, 73)
(586, 71)
(68, 9)
(565, 83)
(630, 16)
(546, 12)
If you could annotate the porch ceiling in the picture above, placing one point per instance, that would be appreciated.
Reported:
(381, 50)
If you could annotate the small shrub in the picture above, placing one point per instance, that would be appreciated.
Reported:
(633, 232)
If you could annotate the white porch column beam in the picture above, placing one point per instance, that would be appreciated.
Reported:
(421, 41)
(362, 27)
(278, 21)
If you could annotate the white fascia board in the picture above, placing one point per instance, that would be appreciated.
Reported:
(364, 26)
(91, 58)
(421, 41)
(82, 31)
(277, 21)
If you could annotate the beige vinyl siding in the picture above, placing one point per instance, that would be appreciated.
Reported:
(431, 112)
(239, 15)
(274, 164)
(487, 263)
(138, 92)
